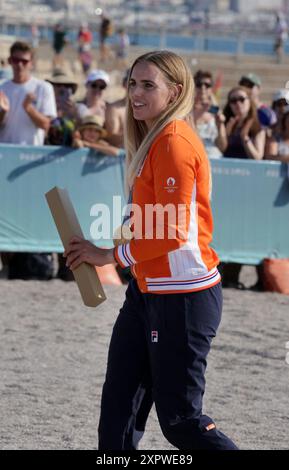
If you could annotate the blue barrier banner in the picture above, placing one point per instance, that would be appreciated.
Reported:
(27, 173)
(250, 201)
(251, 210)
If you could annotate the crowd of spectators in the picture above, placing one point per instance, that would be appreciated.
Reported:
(245, 128)
(45, 112)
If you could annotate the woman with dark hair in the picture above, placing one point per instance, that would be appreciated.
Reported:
(244, 137)
(279, 149)
(280, 104)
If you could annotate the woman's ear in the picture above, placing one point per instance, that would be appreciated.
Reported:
(176, 91)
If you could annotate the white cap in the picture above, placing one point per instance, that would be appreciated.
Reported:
(97, 75)
(282, 94)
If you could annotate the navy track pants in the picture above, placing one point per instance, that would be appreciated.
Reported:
(158, 349)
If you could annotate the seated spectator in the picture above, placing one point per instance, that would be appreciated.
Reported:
(279, 148)
(91, 134)
(115, 117)
(62, 128)
(279, 105)
(93, 102)
(207, 118)
(244, 137)
(252, 83)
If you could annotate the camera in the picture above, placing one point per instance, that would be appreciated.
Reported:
(65, 94)
(213, 109)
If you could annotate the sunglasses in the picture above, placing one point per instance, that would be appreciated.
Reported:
(240, 99)
(205, 84)
(18, 60)
(97, 86)
(280, 103)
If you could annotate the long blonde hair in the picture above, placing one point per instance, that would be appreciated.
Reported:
(138, 138)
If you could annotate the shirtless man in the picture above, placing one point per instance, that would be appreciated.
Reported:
(115, 117)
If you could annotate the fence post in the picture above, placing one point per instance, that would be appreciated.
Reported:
(240, 47)
(163, 37)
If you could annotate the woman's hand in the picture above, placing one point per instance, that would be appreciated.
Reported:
(231, 124)
(220, 119)
(83, 251)
(246, 129)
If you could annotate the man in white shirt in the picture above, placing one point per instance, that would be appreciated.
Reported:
(27, 104)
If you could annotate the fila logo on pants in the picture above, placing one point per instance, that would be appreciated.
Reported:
(154, 337)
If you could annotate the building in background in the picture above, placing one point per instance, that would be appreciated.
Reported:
(243, 6)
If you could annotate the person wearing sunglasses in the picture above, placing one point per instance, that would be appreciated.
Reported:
(280, 103)
(206, 115)
(27, 103)
(266, 115)
(278, 148)
(62, 128)
(93, 103)
(244, 137)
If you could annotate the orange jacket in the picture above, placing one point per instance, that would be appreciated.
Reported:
(172, 254)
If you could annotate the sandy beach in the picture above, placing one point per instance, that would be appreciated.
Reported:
(53, 350)
(53, 355)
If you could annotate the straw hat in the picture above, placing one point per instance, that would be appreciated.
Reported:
(93, 121)
(62, 78)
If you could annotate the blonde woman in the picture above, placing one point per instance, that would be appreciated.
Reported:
(173, 305)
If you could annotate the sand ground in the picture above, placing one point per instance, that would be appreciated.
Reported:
(53, 355)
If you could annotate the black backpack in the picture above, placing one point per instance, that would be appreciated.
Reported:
(38, 266)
